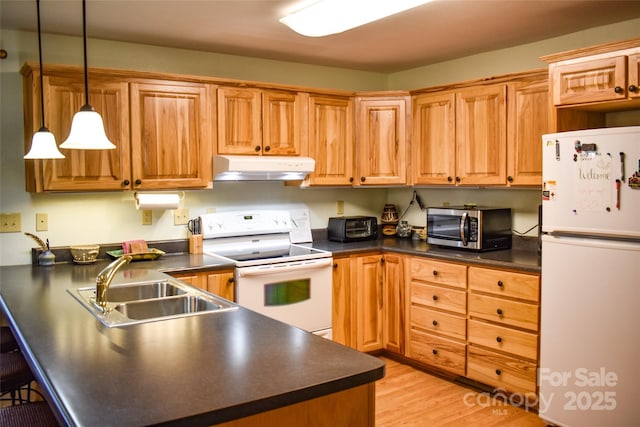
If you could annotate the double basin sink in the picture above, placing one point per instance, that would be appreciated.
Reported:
(142, 302)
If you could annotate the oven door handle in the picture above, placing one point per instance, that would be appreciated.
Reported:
(463, 221)
(283, 267)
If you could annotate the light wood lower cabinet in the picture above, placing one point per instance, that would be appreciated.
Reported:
(477, 322)
(221, 283)
(436, 311)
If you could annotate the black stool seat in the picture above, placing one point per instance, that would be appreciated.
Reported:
(35, 414)
(14, 373)
(7, 340)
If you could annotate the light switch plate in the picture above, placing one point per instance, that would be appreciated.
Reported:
(181, 216)
(11, 222)
(147, 217)
(340, 207)
(42, 222)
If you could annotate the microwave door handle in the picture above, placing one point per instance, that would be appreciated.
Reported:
(463, 221)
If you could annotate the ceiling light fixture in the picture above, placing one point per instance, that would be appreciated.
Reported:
(87, 128)
(327, 17)
(43, 143)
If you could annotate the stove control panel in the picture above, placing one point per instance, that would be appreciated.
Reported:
(245, 223)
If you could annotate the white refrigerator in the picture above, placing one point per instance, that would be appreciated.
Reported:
(590, 304)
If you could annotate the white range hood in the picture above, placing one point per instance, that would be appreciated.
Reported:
(261, 168)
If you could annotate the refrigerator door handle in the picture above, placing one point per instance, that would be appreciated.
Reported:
(463, 221)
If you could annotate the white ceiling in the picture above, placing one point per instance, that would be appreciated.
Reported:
(437, 31)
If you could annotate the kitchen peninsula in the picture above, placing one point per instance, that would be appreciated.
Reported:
(236, 367)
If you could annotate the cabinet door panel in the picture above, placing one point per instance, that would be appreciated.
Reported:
(481, 135)
(331, 140)
(393, 298)
(341, 302)
(239, 121)
(433, 141)
(84, 170)
(589, 81)
(369, 302)
(528, 120)
(222, 284)
(381, 144)
(281, 119)
(634, 75)
(170, 131)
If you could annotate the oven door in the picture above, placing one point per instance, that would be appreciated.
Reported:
(298, 293)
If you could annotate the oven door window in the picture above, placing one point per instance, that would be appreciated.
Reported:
(287, 292)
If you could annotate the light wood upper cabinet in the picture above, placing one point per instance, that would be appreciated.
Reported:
(528, 120)
(381, 140)
(170, 135)
(80, 170)
(481, 135)
(433, 142)
(331, 140)
(253, 121)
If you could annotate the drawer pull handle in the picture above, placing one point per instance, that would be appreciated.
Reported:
(434, 351)
(618, 89)
(435, 297)
(435, 323)
(498, 372)
(435, 272)
(633, 88)
(500, 283)
(499, 311)
(499, 339)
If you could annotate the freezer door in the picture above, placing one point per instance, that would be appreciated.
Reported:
(586, 181)
(589, 340)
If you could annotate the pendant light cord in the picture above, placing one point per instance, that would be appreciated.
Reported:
(41, 72)
(86, 72)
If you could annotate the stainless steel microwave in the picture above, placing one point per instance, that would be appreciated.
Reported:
(469, 227)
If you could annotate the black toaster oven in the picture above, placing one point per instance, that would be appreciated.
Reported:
(352, 228)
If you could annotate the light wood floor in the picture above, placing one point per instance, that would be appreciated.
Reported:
(409, 397)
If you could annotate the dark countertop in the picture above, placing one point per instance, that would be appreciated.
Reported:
(197, 370)
(523, 256)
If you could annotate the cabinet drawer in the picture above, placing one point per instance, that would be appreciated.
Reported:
(441, 273)
(513, 313)
(519, 343)
(505, 283)
(439, 297)
(438, 322)
(504, 372)
(439, 352)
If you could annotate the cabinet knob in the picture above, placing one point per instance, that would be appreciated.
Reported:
(435, 297)
(510, 178)
(498, 372)
(450, 178)
(500, 283)
(125, 182)
(257, 148)
(267, 148)
(499, 339)
(363, 179)
(350, 179)
(435, 323)
(335, 265)
(458, 179)
(499, 311)
(633, 88)
(618, 89)
(231, 280)
(435, 272)
(138, 182)
(434, 351)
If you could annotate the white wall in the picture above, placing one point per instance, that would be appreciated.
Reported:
(112, 217)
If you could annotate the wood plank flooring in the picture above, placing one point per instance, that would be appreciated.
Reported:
(409, 397)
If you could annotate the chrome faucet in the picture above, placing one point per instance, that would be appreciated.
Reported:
(104, 278)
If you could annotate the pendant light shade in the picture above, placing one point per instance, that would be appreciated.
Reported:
(43, 143)
(87, 129)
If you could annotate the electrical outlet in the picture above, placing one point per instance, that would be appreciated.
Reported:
(11, 222)
(42, 222)
(340, 207)
(147, 217)
(180, 216)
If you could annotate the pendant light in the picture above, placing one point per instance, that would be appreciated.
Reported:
(87, 129)
(43, 143)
